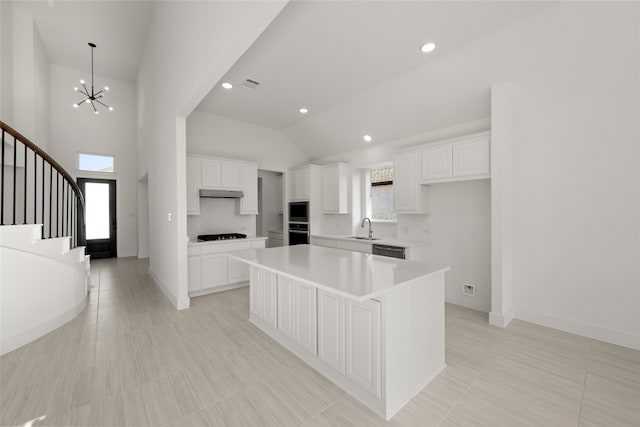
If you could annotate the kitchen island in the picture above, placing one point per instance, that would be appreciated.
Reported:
(373, 325)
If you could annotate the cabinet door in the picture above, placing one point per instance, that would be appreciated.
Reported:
(286, 304)
(214, 270)
(248, 205)
(331, 330)
(305, 316)
(269, 298)
(471, 158)
(406, 188)
(330, 182)
(193, 186)
(436, 163)
(237, 271)
(210, 173)
(303, 184)
(362, 350)
(195, 273)
(255, 292)
(230, 176)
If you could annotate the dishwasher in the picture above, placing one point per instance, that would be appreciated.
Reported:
(390, 251)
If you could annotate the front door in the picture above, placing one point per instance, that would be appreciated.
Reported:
(99, 225)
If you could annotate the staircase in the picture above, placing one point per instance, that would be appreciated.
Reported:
(44, 274)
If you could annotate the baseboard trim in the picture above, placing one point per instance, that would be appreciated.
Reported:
(179, 304)
(612, 336)
(9, 344)
(501, 320)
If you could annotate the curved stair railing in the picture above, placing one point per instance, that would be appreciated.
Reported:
(35, 189)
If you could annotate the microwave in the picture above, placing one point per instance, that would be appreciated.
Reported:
(299, 212)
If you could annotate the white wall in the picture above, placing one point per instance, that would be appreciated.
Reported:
(109, 133)
(218, 136)
(6, 62)
(174, 76)
(143, 218)
(577, 179)
(460, 236)
(24, 76)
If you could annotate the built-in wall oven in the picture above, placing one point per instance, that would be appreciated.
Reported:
(299, 212)
(298, 233)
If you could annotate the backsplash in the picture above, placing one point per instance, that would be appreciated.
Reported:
(218, 216)
(414, 227)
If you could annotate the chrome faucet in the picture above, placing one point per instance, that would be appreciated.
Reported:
(370, 230)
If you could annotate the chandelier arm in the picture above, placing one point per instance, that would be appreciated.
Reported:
(85, 93)
(102, 103)
(98, 93)
(94, 107)
(85, 89)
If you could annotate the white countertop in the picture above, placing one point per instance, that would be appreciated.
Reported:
(377, 241)
(194, 242)
(354, 275)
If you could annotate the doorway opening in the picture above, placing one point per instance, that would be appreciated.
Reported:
(98, 227)
(269, 221)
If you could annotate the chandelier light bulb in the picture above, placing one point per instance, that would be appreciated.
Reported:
(75, 105)
(110, 108)
(303, 110)
(367, 138)
(81, 81)
(75, 88)
(106, 88)
(428, 47)
(96, 112)
(88, 101)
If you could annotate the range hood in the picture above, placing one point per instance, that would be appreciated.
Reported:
(221, 194)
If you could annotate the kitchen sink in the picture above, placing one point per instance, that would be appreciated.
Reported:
(364, 238)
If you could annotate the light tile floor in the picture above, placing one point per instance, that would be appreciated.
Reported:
(131, 359)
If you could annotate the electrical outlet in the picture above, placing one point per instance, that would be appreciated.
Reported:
(468, 289)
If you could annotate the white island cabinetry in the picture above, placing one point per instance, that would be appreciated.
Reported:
(380, 337)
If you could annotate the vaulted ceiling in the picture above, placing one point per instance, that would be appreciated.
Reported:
(355, 65)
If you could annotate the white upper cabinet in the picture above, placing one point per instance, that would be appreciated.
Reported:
(436, 163)
(407, 192)
(335, 188)
(248, 204)
(459, 159)
(299, 184)
(471, 158)
(193, 188)
(218, 174)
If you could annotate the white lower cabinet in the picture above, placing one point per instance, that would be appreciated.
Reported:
(362, 349)
(195, 275)
(214, 270)
(286, 304)
(331, 330)
(237, 271)
(297, 312)
(305, 316)
(211, 270)
(263, 295)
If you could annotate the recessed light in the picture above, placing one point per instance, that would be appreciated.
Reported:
(367, 138)
(227, 85)
(427, 47)
(303, 110)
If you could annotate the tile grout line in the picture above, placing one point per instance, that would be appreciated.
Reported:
(474, 380)
(584, 382)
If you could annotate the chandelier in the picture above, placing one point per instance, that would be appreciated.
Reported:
(91, 97)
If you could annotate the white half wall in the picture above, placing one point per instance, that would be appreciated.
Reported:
(174, 77)
(111, 133)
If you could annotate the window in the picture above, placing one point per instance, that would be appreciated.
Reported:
(382, 194)
(95, 162)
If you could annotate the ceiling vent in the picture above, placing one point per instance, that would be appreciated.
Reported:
(250, 84)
